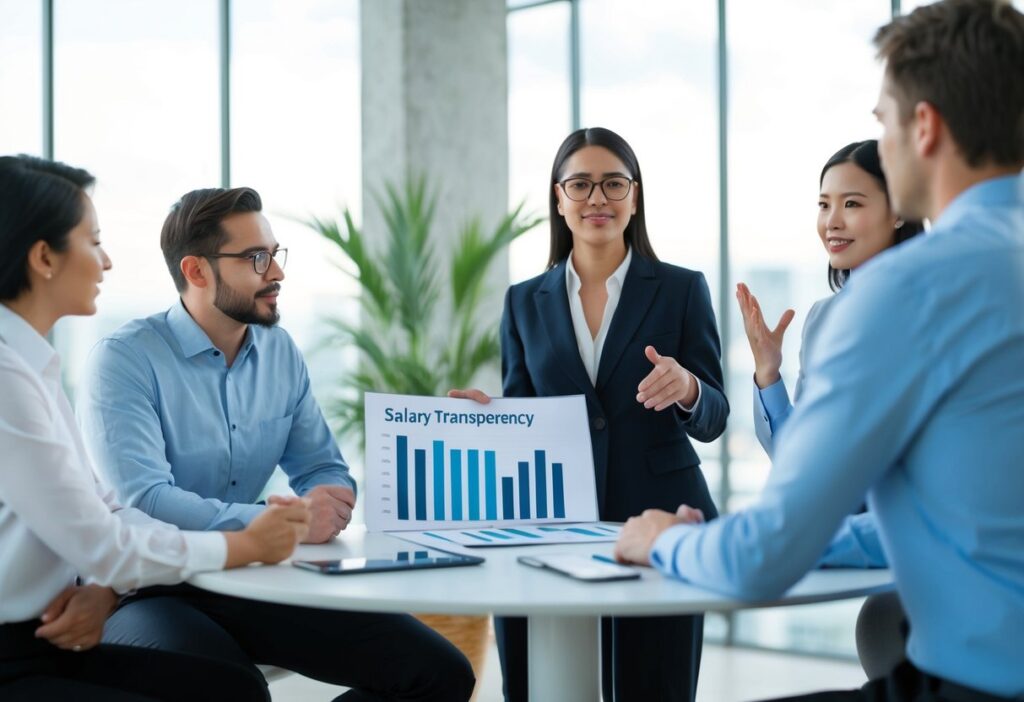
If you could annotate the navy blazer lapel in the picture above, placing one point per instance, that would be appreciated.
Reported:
(637, 294)
(552, 301)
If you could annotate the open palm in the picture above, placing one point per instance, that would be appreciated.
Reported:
(765, 343)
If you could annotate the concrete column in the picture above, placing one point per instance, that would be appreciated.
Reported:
(435, 103)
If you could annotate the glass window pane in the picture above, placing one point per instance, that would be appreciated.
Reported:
(539, 118)
(792, 105)
(21, 77)
(135, 103)
(656, 86)
(295, 121)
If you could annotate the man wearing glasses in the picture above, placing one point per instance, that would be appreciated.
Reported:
(189, 411)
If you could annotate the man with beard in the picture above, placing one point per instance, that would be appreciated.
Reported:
(188, 412)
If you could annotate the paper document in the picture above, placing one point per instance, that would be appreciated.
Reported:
(442, 463)
(522, 535)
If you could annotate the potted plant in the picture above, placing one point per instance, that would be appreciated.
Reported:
(418, 334)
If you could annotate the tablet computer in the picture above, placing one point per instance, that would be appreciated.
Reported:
(397, 560)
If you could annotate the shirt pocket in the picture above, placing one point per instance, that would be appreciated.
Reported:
(274, 435)
(671, 456)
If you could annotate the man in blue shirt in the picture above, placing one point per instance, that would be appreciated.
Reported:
(915, 389)
(189, 411)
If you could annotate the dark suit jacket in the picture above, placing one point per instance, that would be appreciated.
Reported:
(642, 458)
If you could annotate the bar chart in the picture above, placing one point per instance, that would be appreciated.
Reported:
(455, 477)
(442, 462)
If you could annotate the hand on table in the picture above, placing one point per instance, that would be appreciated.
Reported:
(272, 535)
(639, 534)
(330, 512)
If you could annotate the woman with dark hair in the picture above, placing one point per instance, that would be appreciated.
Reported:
(855, 223)
(66, 547)
(638, 338)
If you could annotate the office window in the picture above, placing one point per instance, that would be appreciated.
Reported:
(295, 138)
(21, 46)
(135, 102)
(795, 99)
(539, 118)
(648, 74)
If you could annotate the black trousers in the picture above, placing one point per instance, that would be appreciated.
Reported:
(642, 658)
(380, 656)
(904, 684)
(33, 670)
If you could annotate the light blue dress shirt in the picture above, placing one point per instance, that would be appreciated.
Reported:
(914, 397)
(193, 442)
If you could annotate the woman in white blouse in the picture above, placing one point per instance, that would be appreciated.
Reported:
(66, 547)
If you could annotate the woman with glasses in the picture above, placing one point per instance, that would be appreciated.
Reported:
(67, 549)
(856, 222)
(638, 338)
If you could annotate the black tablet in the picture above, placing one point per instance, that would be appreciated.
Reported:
(399, 560)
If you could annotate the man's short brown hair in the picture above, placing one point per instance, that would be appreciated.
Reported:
(193, 226)
(966, 59)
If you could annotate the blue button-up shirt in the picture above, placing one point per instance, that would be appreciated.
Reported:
(193, 442)
(914, 397)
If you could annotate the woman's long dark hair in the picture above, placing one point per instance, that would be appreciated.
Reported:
(636, 231)
(864, 155)
(39, 200)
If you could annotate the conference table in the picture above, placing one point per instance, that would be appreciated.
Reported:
(564, 614)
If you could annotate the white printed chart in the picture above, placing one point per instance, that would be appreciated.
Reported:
(445, 463)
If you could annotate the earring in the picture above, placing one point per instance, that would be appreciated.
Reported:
(49, 275)
(899, 223)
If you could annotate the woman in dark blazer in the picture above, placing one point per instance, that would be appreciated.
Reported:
(638, 338)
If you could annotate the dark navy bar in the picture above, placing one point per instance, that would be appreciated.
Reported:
(421, 483)
(402, 456)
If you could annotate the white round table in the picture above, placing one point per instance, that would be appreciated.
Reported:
(564, 614)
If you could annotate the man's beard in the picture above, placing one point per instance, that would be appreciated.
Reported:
(243, 309)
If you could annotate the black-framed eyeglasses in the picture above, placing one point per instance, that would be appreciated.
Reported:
(260, 259)
(580, 189)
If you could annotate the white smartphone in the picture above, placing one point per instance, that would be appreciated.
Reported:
(582, 567)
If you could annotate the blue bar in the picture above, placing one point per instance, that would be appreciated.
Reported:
(585, 532)
(520, 532)
(524, 490)
(475, 536)
(495, 534)
(438, 536)
(556, 488)
(438, 480)
(421, 483)
(474, 484)
(540, 470)
(403, 476)
(507, 499)
(491, 485)
(456, 461)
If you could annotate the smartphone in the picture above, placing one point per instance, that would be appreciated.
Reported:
(581, 567)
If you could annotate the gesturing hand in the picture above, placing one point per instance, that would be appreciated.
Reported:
(667, 384)
(765, 343)
(74, 619)
(331, 511)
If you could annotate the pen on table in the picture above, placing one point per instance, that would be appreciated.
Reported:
(605, 559)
